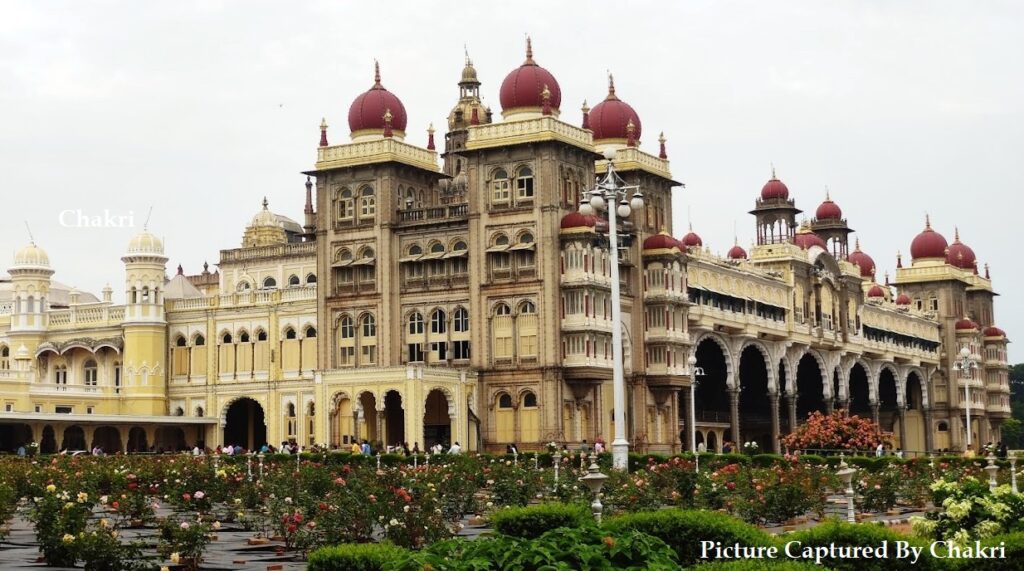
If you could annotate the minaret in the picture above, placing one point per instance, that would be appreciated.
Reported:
(145, 327)
(30, 276)
(309, 227)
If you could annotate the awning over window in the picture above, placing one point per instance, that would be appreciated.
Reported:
(432, 256)
(364, 262)
(457, 254)
(342, 263)
(522, 246)
(407, 259)
(498, 248)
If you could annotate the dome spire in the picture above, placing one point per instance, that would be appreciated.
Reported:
(323, 132)
(661, 144)
(430, 138)
(956, 234)
(773, 172)
(376, 75)
(529, 52)
(265, 203)
(586, 114)
(611, 88)
(927, 221)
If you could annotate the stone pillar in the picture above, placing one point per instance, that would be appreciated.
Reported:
(356, 420)
(844, 404)
(791, 405)
(734, 416)
(773, 400)
(829, 406)
(902, 412)
(874, 412)
(89, 431)
(929, 437)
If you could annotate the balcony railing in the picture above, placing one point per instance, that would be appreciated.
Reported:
(434, 213)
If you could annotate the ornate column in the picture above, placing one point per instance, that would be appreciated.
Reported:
(902, 411)
(929, 438)
(357, 416)
(773, 400)
(791, 405)
(734, 415)
(874, 412)
(684, 399)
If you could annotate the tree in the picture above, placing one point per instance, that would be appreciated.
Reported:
(1012, 430)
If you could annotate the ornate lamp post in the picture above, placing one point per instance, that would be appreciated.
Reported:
(594, 480)
(966, 364)
(695, 372)
(609, 197)
(845, 474)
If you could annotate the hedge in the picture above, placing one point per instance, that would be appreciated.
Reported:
(834, 532)
(532, 521)
(355, 557)
(683, 530)
(1014, 551)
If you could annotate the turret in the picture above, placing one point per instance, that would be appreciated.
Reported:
(30, 278)
(145, 331)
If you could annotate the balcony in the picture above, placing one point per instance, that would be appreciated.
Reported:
(452, 212)
(67, 390)
(580, 322)
(355, 288)
(664, 335)
(97, 314)
(581, 278)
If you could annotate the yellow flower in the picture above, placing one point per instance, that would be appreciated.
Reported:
(175, 558)
(83, 497)
(68, 538)
(51, 488)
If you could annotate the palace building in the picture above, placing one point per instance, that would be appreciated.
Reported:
(461, 295)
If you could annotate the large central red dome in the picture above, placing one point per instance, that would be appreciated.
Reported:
(928, 244)
(774, 188)
(368, 110)
(610, 118)
(523, 87)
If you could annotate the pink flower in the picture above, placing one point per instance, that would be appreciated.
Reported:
(184, 525)
(200, 495)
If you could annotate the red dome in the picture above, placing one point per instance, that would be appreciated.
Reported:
(960, 255)
(691, 240)
(993, 331)
(876, 291)
(774, 188)
(661, 241)
(610, 118)
(828, 210)
(928, 244)
(862, 260)
(965, 325)
(367, 111)
(805, 238)
(903, 299)
(578, 220)
(737, 253)
(523, 87)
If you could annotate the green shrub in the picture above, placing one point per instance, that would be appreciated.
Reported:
(766, 460)
(583, 548)
(813, 459)
(1013, 544)
(863, 535)
(683, 530)
(533, 521)
(355, 557)
(759, 565)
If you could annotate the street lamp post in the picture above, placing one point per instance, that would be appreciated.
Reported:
(695, 372)
(609, 196)
(966, 364)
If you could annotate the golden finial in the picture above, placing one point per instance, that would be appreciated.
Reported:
(585, 108)
(773, 171)
(661, 137)
(376, 73)
(529, 51)
(611, 86)
(856, 244)
(387, 115)
(546, 93)
(265, 203)
(828, 194)
(430, 129)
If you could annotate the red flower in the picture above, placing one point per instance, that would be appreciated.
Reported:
(186, 496)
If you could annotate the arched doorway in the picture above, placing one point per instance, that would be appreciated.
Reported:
(394, 419)
(809, 387)
(343, 431)
(914, 416)
(245, 424)
(368, 429)
(13, 436)
(859, 392)
(108, 439)
(712, 398)
(887, 403)
(74, 439)
(48, 445)
(437, 423)
(755, 408)
(712, 441)
(170, 439)
(137, 440)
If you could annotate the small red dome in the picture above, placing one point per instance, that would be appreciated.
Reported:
(774, 188)
(903, 299)
(578, 220)
(928, 244)
(661, 241)
(737, 253)
(876, 291)
(993, 331)
(524, 86)
(965, 325)
(828, 210)
(960, 255)
(692, 240)
(368, 110)
(805, 238)
(862, 260)
(610, 118)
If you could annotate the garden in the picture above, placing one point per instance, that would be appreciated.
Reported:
(332, 510)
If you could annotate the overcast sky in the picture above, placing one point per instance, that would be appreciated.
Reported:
(199, 109)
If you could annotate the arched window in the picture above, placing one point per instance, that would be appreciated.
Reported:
(501, 240)
(200, 412)
(243, 286)
(415, 250)
(505, 401)
(367, 203)
(345, 205)
(499, 186)
(226, 339)
(416, 323)
(369, 326)
(524, 184)
(460, 246)
(269, 283)
(461, 320)
(145, 295)
(289, 333)
(438, 322)
(293, 280)
(261, 335)
(90, 373)
(348, 330)
(437, 248)
(61, 375)
(5, 358)
(180, 341)
(529, 400)
(526, 238)
(527, 307)
(200, 341)
(311, 279)
(943, 426)
(310, 332)
(179, 411)
(291, 410)
(344, 255)
(502, 309)
(243, 337)
(367, 253)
